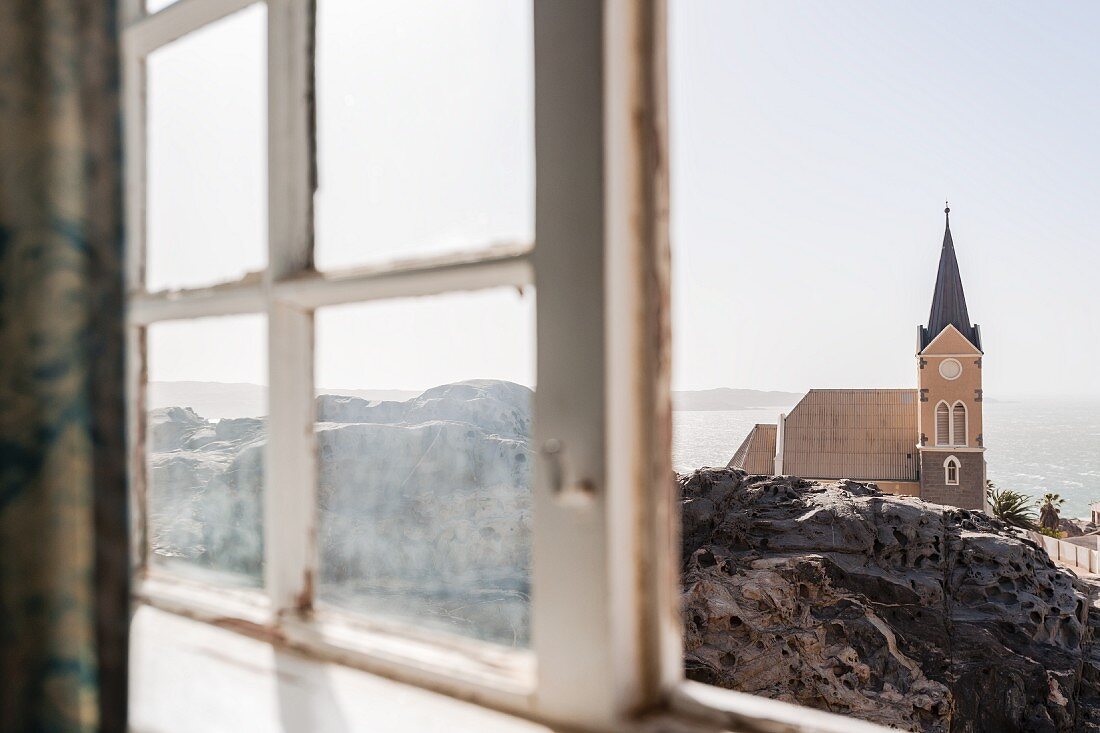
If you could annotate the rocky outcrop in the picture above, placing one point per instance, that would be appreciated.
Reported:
(205, 480)
(425, 505)
(1070, 527)
(887, 608)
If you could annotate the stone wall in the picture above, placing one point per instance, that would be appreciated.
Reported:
(969, 494)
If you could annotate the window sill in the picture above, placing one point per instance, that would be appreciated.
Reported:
(738, 711)
(187, 675)
(191, 674)
(204, 602)
(496, 677)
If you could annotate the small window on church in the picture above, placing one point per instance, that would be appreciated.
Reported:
(951, 470)
(950, 369)
(943, 424)
(958, 424)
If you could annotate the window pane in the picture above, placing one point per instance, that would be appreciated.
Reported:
(207, 164)
(206, 436)
(426, 492)
(426, 132)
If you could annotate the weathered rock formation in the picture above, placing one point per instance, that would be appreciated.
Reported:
(205, 501)
(425, 504)
(887, 608)
(426, 507)
(1075, 527)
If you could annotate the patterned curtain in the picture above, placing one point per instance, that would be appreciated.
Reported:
(63, 529)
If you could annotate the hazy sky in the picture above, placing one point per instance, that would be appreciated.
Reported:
(812, 148)
(813, 145)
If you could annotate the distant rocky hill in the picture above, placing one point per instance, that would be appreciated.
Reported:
(215, 400)
(725, 398)
(227, 399)
(426, 506)
(425, 503)
(889, 609)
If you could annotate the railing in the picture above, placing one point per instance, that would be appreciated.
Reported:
(1065, 553)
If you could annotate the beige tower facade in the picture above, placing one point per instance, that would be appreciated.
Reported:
(949, 379)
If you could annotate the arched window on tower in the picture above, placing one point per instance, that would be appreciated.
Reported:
(943, 424)
(958, 424)
(951, 471)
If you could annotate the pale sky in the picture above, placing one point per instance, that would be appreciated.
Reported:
(813, 145)
(812, 148)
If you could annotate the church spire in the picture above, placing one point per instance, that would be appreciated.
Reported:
(948, 299)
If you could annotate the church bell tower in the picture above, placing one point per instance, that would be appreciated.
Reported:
(949, 377)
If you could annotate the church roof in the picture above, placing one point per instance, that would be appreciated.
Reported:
(866, 434)
(863, 434)
(757, 452)
(948, 299)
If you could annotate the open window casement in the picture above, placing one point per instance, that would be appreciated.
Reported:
(606, 636)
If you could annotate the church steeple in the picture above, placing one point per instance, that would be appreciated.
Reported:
(948, 299)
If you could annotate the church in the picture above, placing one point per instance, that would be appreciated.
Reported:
(925, 442)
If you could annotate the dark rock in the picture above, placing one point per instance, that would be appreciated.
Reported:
(886, 608)
(1074, 527)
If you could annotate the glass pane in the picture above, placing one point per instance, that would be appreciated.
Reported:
(207, 164)
(426, 492)
(425, 127)
(206, 436)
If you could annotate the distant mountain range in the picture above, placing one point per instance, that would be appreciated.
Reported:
(214, 400)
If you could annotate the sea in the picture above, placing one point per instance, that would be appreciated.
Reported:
(1032, 446)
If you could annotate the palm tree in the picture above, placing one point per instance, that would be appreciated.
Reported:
(1011, 507)
(1049, 514)
(1054, 500)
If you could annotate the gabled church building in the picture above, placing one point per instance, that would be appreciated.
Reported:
(925, 442)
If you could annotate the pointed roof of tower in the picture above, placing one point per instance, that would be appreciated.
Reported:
(948, 299)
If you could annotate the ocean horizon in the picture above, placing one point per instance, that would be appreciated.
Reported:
(1033, 445)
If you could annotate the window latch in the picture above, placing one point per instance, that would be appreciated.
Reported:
(566, 491)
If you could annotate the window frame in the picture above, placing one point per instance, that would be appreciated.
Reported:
(606, 630)
(288, 292)
(951, 463)
(957, 440)
(958, 366)
(946, 435)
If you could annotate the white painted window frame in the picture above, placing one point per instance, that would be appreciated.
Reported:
(952, 439)
(960, 441)
(946, 438)
(607, 635)
(951, 462)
